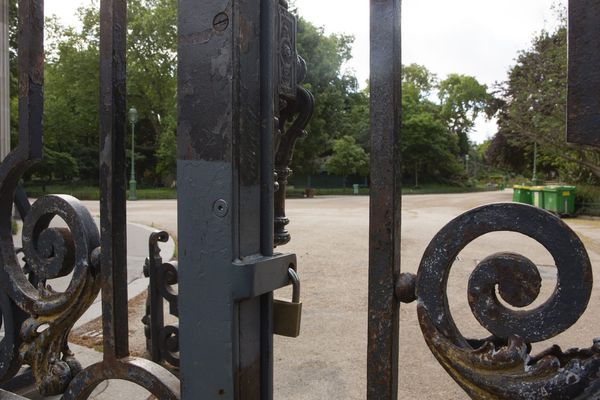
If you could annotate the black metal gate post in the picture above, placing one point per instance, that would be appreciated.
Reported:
(500, 366)
(384, 244)
(583, 119)
(225, 198)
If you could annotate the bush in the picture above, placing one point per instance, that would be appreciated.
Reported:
(587, 200)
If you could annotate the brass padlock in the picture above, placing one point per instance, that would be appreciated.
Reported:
(286, 315)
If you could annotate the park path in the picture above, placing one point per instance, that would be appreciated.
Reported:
(330, 237)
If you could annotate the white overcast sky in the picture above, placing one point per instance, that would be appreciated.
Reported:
(474, 37)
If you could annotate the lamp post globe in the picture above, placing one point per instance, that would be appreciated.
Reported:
(133, 119)
(133, 115)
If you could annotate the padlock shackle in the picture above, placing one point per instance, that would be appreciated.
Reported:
(295, 285)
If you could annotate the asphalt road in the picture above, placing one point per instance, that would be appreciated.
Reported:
(330, 237)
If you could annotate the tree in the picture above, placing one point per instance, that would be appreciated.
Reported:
(463, 98)
(348, 158)
(418, 78)
(152, 50)
(340, 108)
(55, 164)
(152, 83)
(71, 100)
(533, 111)
(429, 150)
(13, 20)
(71, 85)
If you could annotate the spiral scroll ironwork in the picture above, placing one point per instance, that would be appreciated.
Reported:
(37, 318)
(501, 367)
(161, 341)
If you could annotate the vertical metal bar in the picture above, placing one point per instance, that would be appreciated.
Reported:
(583, 100)
(223, 126)
(155, 299)
(31, 76)
(4, 82)
(113, 26)
(267, 103)
(204, 175)
(385, 207)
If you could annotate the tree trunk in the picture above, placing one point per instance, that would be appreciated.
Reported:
(416, 174)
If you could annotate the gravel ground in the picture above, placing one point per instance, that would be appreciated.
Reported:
(330, 237)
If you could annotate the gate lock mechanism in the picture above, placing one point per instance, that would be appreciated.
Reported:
(287, 315)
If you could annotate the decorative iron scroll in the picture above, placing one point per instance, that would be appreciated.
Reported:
(301, 107)
(116, 363)
(296, 106)
(161, 341)
(502, 366)
(37, 319)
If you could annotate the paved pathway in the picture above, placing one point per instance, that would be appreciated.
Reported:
(330, 237)
(137, 251)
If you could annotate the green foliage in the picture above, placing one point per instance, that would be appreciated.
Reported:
(71, 124)
(152, 84)
(71, 96)
(532, 109)
(340, 108)
(429, 188)
(166, 154)
(462, 98)
(348, 158)
(587, 200)
(55, 164)
(417, 77)
(435, 133)
(12, 53)
(93, 193)
(429, 149)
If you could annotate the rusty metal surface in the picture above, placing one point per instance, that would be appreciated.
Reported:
(583, 102)
(4, 395)
(151, 376)
(501, 366)
(113, 31)
(296, 113)
(37, 319)
(296, 107)
(227, 134)
(113, 257)
(161, 341)
(384, 231)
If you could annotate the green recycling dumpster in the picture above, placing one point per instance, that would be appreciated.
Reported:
(560, 199)
(537, 196)
(522, 194)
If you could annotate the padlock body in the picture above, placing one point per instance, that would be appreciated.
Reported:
(286, 318)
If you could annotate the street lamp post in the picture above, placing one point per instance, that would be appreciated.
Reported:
(534, 178)
(133, 118)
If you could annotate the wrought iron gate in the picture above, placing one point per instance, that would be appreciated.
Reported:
(241, 110)
(501, 366)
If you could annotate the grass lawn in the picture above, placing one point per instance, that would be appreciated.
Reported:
(93, 193)
(406, 190)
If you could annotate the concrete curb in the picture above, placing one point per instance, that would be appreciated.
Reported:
(137, 251)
